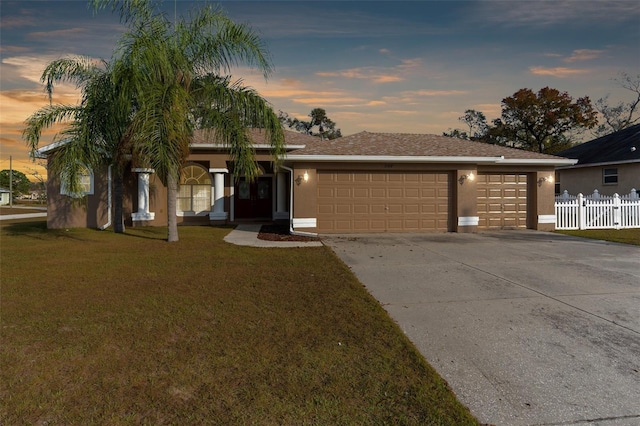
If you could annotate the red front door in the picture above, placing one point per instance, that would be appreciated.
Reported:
(253, 200)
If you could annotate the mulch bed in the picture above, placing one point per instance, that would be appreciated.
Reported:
(281, 233)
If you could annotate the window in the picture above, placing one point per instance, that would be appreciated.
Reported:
(194, 194)
(85, 184)
(610, 176)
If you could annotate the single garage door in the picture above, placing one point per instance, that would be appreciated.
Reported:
(502, 200)
(382, 201)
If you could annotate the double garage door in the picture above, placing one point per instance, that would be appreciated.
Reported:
(371, 201)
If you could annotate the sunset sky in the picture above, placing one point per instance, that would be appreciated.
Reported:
(398, 66)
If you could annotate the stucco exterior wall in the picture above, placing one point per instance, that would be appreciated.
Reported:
(463, 207)
(466, 206)
(586, 179)
(90, 211)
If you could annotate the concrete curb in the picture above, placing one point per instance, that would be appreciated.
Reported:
(22, 216)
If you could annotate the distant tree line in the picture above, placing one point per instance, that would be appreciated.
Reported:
(549, 120)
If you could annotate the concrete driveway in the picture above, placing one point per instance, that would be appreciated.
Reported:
(528, 328)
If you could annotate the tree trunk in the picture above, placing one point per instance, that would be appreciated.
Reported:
(172, 219)
(118, 215)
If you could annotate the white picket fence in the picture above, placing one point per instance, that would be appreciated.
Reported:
(597, 211)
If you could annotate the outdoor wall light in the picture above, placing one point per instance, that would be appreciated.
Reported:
(302, 178)
(545, 179)
(469, 177)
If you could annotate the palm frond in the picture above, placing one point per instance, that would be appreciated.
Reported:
(226, 106)
(44, 118)
(78, 70)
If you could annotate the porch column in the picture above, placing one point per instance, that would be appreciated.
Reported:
(218, 212)
(143, 213)
(282, 212)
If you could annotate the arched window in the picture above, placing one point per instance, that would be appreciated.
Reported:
(194, 195)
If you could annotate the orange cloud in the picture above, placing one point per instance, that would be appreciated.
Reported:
(387, 79)
(377, 74)
(17, 105)
(437, 92)
(583, 55)
(328, 101)
(18, 21)
(14, 49)
(557, 72)
(403, 112)
(46, 35)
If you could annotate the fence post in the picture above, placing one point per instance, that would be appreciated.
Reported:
(617, 213)
(582, 219)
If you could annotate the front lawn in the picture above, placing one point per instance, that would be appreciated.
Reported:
(99, 328)
(626, 236)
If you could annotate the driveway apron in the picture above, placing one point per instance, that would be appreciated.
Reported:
(527, 327)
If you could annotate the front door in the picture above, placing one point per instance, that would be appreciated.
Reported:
(253, 200)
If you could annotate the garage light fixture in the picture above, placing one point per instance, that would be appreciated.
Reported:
(469, 177)
(545, 179)
(302, 178)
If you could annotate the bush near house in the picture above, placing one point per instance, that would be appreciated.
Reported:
(104, 328)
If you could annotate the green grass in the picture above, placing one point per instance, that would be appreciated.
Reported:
(99, 328)
(626, 236)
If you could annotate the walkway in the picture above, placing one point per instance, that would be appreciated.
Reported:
(247, 235)
(22, 215)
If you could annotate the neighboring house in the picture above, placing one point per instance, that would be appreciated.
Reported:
(5, 194)
(610, 164)
(367, 182)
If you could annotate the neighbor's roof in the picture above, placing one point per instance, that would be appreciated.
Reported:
(365, 146)
(622, 146)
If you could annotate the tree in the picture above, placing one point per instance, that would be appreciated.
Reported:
(97, 134)
(542, 122)
(456, 133)
(477, 123)
(20, 182)
(326, 128)
(174, 71)
(622, 115)
(39, 185)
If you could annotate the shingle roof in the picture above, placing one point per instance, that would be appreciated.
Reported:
(258, 136)
(620, 146)
(408, 144)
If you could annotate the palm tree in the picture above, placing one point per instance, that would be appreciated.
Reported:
(175, 72)
(98, 128)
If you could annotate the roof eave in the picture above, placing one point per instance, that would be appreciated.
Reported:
(427, 159)
(606, 163)
(538, 161)
(389, 158)
(45, 150)
(255, 145)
